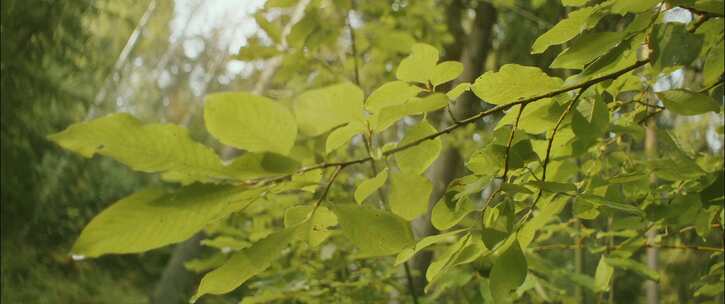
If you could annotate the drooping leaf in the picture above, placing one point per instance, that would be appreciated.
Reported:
(586, 49)
(320, 110)
(465, 250)
(599, 201)
(250, 122)
(338, 137)
(714, 64)
(513, 82)
(374, 232)
(673, 45)
(391, 94)
(163, 148)
(370, 185)
(445, 72)
(419, 65)
(245, 264)
(537, 117)
(409, 194)
(635, 266)
(509, 270)
(577, 21)
(603, 275)
(417, 159)
(685, 102)
(155, 218)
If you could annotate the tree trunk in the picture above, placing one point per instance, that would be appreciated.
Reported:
(650, 148)
(173, 287)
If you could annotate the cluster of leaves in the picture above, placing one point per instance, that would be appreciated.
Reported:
(560, 142)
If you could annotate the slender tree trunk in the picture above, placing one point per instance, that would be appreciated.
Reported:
(476, 47)
(176, 279)
(650, 147)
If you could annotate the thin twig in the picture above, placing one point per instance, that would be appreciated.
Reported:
(663, 246)
(327, 188)
(508, 144)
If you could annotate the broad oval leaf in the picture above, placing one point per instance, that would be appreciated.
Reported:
(418, 158)
(338, 137)
(685, 102)
(320, 110)
(409, 194)
(389, 115)
(419, 65)
(315, 227)
(450, 210)
(454, 93)
(374, 232)
(513, 82)
(587, 48)
(163, 148)
(250, 122)
(155, 217)
(408, 253)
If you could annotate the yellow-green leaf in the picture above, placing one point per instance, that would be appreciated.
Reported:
(685, 102)
(445, 72)
(390, 94)
(417, 159)
(454, 93)
(509, 271)
(155, 217)
(322, 109)
(419, 65)
(370, 185)
(316, 227)
(373, 231)
(603, 275)
(338, 137)
(409, 194)
(163, 148)
(250, 122)
(566, 29)
(586, 49)
(389, 115)
(513, 82)
(245, 264)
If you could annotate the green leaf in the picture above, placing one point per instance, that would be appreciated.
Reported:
(577, 22)
(389, 115)
(574, 2)
(163, 148)
(155, 218)
(250, 122)
(390, 94)
(417, 159)
(599, 201)
(316, 227)
(714, 64)
(370, 185)
(450, 210)
(338, 137)
(513, 82)
(245, 264)
(465, 250)
(322, 109)
(409, 194)
(256, 165)
(603, 275)
(586, 49)
(419, 65)
(454, 93)
(637, 267)
(623, 7)
(547, 211)
(487, 161)
(374, 232)
(445, 72)
(538, 117)
(408, 253)
(685, 102)
(509, 270)
(673, 45)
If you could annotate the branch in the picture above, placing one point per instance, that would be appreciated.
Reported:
(451, 128)
(327, 189)
(511, 139)
(660, 245)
